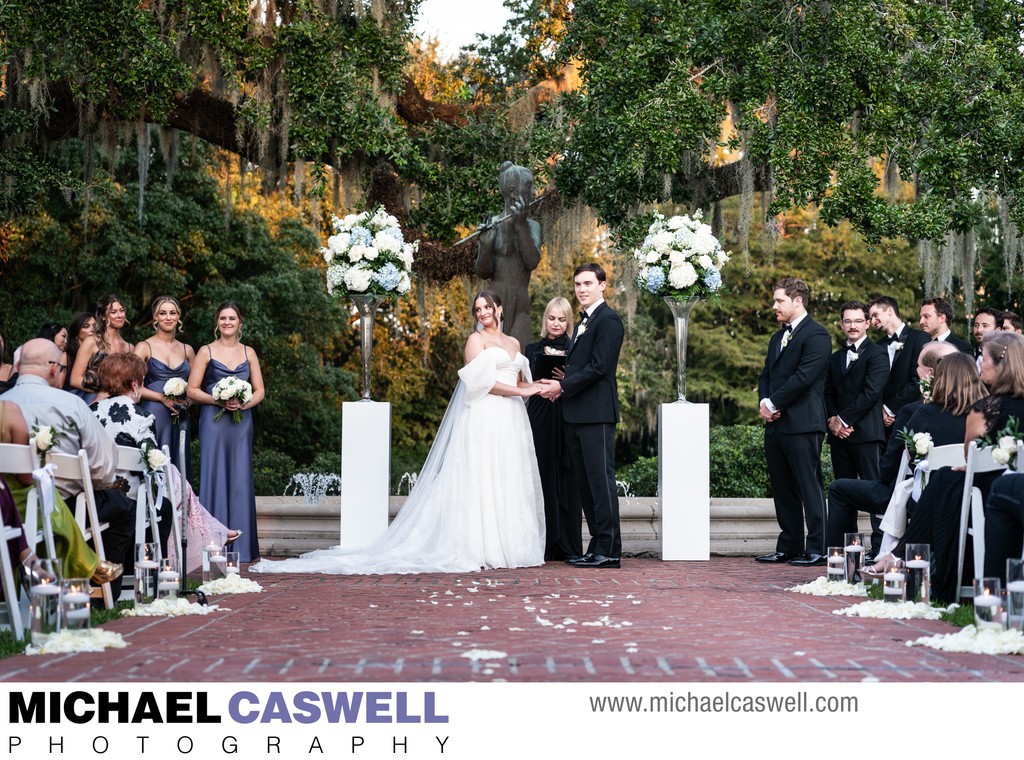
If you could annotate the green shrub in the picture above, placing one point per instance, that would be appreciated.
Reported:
(738, 468)
(272, 471)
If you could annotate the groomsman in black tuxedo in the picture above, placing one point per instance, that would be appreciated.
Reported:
(853, 398)
(791, 390)
(903, 344)
(986, 320)
(590, 408)
(937, 319)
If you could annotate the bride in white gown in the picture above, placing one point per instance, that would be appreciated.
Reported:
(477, 502)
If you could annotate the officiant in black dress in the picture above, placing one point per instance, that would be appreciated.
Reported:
(547, 360)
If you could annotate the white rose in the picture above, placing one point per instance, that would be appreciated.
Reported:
(674, 223)
(355, 253)
(349, 221)
(174, 387)
(328, 254)
(922, 446)
(682, 276)
(357, 279)
(406, 255)
(246, 395)
(653, 257)
(1002, 456)
(723, 258)
(663, 241)
(1008, 442)
(404, 284)
(676, 258)
(156, 459)
(44, 438)
(705, 261)
(370, 253)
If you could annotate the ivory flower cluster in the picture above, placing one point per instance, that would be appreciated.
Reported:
(175, 388)
(231, 584)
(680, 258)
(232, 387)
(368, 254)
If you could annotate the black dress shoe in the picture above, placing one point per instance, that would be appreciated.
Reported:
(774, 557)
(574, 560)
(808, 560)
(596, 560)
(870, 556)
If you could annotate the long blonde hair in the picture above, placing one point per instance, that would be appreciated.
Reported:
(956, 385)
(1006, 351)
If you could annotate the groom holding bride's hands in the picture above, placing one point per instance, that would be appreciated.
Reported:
(590, 408)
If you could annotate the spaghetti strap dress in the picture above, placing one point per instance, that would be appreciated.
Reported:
(167, 429)
(225, 470)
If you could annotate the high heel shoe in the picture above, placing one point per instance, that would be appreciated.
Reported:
(231, 539)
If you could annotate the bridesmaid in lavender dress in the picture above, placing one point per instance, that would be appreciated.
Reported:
(167, 357)
(225, 481)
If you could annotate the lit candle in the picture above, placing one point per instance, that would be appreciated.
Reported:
(987, 600)
(167, 575)
(165, 586)
(45, 589)
(76, 597)
(917, 564)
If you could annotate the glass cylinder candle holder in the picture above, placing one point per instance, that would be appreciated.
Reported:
(233, 563)
(1015, 594)
(214, 560)
(988, 603)
(835, 564)
(853, 552)
(894, 581)
(74, 604)
(147, 566)
(167, 580)
(44, 599)
(918, 567)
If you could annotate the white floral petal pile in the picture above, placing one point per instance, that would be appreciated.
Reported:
(895, 611)
(169, 608)
(822, 586)
(970, 639)
(484, 654)
(73, 642)
(231, 584)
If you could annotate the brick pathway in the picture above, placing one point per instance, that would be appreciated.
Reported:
(729, 619)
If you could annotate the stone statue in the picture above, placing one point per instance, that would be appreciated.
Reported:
(509, 250)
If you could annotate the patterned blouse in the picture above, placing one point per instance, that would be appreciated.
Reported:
(129, 425)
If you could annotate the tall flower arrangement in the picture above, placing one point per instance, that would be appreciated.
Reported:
(680, 258)
(368, 255)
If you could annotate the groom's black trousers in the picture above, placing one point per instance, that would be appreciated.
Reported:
(592, 456)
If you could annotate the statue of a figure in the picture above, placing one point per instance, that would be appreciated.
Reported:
(509, 250)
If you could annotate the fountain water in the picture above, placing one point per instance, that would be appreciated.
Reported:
(314, 486)
(409, 480)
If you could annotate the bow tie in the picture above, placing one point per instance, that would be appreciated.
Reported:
(583, 316)
(851, 348)
(892, 339)
(788, 329)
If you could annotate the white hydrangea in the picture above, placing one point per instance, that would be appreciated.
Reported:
(339, 243)
(335, 277)
(357, 279)
(370, 253)
(386, 242)
(683, 275)
(356, 252)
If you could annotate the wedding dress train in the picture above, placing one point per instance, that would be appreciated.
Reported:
(477, 502)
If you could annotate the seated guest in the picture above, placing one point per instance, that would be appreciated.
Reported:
(121, 380)
(955, 386)
(1004, 524)
(7, 373)
(13, 429)
(122, 377)
(935, 519)
(37, 393)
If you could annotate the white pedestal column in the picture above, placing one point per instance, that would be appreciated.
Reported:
(684, 480)
(365, 471)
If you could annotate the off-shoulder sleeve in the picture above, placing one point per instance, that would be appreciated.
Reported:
(479, 375)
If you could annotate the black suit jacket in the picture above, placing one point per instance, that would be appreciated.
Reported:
(901, 387)
(961, 344)
(855, 393)
(794, 379)
(590, 392)
(920, 417)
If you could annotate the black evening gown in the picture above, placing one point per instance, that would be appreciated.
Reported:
(552, 455)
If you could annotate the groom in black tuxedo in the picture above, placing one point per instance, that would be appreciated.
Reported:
(792, 404)
(590, 408)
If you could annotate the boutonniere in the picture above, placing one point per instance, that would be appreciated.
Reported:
(854, 356)
(897, 345)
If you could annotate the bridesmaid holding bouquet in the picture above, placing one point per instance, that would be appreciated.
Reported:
(225, 440)
(167, 368)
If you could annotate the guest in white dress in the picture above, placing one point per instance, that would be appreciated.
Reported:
(478, 501)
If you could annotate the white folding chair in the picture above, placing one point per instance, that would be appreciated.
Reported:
(972, 510)
(76, 467)
(147, 506)
(17, 459)
(180, 508)
(895, 520)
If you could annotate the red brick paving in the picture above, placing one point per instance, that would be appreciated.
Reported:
(729, 619)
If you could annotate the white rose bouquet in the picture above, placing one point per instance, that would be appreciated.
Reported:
(174, 391)
(918, 444)
(232, 387)
(680, 258)
(368, 254)
(153, 457)
(1004, 443)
